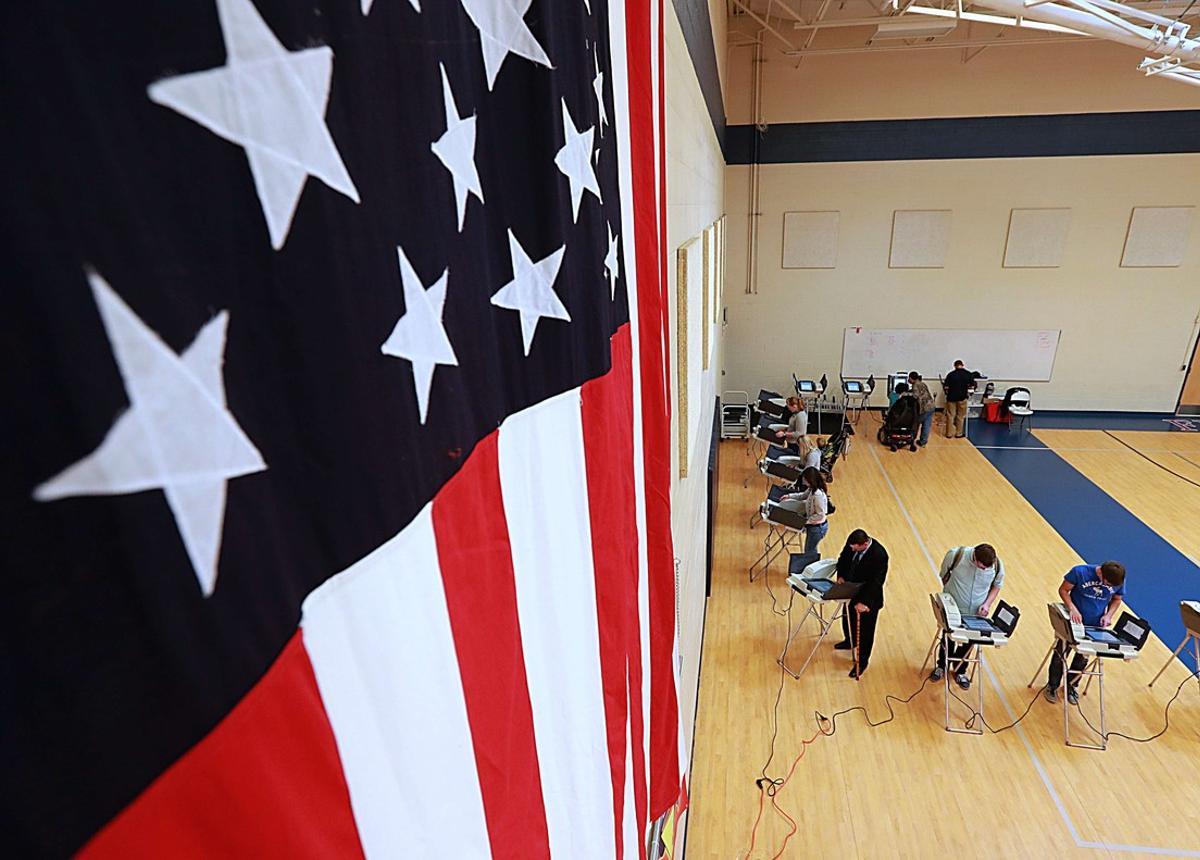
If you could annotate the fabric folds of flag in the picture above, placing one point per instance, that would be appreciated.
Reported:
(413, 266)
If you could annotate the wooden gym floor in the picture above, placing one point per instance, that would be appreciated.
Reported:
(909, 788)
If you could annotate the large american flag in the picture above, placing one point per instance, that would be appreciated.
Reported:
(336, 509)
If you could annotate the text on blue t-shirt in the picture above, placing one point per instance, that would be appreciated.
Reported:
(1089, 593)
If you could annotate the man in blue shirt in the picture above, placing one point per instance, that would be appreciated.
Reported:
(1092, 595)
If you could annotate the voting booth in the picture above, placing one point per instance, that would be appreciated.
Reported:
(826, 598)
(1122, 642)
(1189, 611)
(976, 631)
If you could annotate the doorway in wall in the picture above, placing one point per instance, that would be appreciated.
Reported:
(1189, 398)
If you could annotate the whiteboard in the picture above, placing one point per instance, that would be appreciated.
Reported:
(1011, 355)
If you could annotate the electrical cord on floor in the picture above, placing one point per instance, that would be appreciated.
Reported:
(1152, 460)
(778, 698)
(769, 786)
(775, 600)
(1104, 736)
(970, 722)
(888, 698)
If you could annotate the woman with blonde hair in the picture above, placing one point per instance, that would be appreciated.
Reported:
(810, 452)
(797, 424)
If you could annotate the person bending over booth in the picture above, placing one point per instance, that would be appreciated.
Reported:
(862, 560)
(810, 450)
(797, 422)
(812, 500)
(973, 577)
(1092, 593)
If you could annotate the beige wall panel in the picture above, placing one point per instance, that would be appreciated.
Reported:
(1126, 332)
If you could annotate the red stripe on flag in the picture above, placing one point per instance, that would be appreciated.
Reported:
(477, 572)
(656, 422)
(607, 411)
(663, 300)
(266, 782)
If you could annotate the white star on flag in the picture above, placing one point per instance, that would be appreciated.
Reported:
(574, 161)
(271, 102)
(503, 31)
(610, 262)
(420, 335)
(598, 89)
(366, 5)
(456, 150)
(177, 435)
(531, 290)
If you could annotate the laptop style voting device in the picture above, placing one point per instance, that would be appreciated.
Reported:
(831, 590)
(1129, 630)
(771, 403)
(1003, 620)
(767, 428)
(853, 386)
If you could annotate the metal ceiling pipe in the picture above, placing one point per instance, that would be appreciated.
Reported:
(1181, 76)
(1160, 41)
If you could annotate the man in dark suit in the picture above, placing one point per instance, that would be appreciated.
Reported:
(865, 561)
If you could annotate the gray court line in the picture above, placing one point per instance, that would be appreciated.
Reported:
(1141, 849)
(1037, 763)
(1031, 448)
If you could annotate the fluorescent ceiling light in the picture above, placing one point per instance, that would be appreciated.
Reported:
(913, 29)
(994, 19)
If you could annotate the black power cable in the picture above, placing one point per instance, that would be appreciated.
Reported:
(1166, 716)
(1155, 462)
(888, 698)
(970, 723)
(1104, 736)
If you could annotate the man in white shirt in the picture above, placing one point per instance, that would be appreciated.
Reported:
(973, 577)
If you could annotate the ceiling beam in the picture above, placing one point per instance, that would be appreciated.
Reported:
(765, 24)
(935, 46)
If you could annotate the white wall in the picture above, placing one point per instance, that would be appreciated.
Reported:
(1090, 76)
(695, 194)
(1126, 332)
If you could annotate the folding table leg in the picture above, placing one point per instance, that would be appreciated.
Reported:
(1176, 654)
(1041, 666)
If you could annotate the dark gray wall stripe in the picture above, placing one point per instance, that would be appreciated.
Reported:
(1138, 133)
(698, 34)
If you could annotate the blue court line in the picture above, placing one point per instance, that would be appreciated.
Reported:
(1096, 526)
(1055, 420)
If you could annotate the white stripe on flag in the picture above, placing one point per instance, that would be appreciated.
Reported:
(620, 80)
(378, 635)
(629, 819)
(544, 485)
